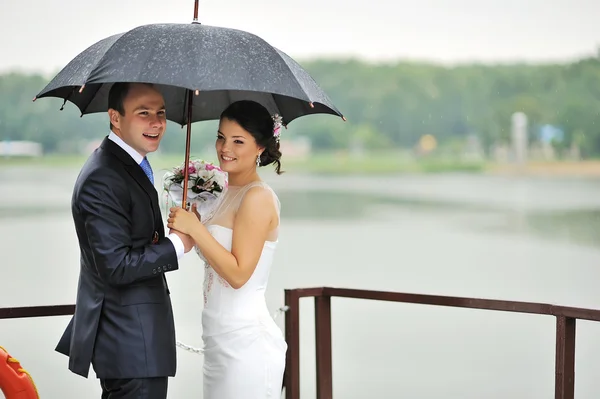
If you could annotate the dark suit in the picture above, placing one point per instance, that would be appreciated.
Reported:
(123, 322)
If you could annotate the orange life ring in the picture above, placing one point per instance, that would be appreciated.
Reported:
(15, 382)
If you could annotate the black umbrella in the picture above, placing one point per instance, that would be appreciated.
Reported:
(199, 69)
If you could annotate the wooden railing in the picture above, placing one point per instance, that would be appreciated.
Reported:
(36, 311)
(564, 386)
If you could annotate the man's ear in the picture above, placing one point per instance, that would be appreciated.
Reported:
(115, 118)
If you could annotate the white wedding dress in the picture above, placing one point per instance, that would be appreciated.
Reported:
(244, 350)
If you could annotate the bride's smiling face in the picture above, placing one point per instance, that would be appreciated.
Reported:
(236, 148)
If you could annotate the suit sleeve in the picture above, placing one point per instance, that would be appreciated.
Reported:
(103, 203)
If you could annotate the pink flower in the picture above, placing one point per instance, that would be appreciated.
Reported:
(210, 167)
(191, 169)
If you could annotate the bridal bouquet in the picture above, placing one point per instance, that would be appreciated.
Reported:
(206, 183)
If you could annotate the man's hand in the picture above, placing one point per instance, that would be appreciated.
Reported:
(188, 242)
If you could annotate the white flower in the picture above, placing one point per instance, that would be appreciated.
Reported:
(198, 165)
(220, 178)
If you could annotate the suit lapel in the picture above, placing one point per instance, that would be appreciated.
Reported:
(138, 175)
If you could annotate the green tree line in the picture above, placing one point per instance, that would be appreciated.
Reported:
(387, 105)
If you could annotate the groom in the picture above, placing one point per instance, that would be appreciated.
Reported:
(123, 322)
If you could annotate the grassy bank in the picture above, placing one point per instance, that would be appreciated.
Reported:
(323, 163)
(588, 168)
(343, 163)
(380, 163)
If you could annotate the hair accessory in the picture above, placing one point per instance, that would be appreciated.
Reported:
(277, 123)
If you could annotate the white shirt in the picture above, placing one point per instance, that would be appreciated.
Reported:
(137, 157)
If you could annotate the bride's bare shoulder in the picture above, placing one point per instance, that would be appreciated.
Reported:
(258, 195)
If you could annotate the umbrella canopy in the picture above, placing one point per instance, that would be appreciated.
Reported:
(219, 65)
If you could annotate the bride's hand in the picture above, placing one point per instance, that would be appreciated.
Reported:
(183, 220)
(195, 210)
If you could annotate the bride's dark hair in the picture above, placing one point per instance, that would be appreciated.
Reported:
(256, 120)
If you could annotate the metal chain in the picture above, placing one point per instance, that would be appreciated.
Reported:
(189, 348)
(199, 351)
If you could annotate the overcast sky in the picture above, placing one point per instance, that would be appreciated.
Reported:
(43, 35)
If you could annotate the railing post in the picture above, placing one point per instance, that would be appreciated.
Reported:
(292, 337)
(323, 346)
(564, 385)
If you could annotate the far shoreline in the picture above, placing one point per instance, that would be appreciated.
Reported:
(332, 164)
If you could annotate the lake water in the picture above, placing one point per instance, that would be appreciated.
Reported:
(526, 239)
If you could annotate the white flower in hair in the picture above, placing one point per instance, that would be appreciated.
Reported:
(277, 123)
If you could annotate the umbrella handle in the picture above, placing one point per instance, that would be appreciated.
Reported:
(188, 139)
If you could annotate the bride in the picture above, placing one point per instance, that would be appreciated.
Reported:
(244, 350)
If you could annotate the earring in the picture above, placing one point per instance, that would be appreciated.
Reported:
(258, 160)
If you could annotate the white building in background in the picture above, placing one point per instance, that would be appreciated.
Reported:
(519, 137)
(20, 149)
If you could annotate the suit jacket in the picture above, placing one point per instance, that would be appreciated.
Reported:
(123, 322)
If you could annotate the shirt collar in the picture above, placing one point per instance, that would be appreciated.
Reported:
(133, 153)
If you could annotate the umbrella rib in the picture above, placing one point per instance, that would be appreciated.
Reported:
(297, 81)
(278, 107)
(281, 53)
(96, 89)
(99, 62)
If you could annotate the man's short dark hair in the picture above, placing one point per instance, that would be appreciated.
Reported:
(117, 94)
